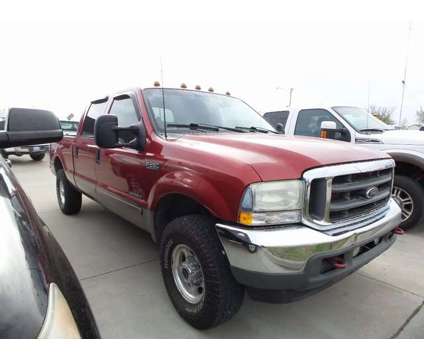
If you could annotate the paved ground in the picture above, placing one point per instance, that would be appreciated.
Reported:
(119, 269)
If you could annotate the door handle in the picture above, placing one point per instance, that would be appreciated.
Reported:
(76, 149)
(98, 156)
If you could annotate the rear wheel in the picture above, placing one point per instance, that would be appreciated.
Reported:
(37, 157)
(410, 197)
(69, 198)
(196, 273)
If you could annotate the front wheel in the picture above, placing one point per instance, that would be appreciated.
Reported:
(196, 273)
(410, 197)
(37, 157)
(69, 198)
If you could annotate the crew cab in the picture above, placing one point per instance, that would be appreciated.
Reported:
(357, 126)
(40, 295)
(234, 205)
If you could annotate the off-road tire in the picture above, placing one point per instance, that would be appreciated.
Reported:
(415, 190)
(37, 157)
(72, 198)
(223, 296)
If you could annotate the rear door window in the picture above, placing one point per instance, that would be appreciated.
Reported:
(277, 117)
(96, 109)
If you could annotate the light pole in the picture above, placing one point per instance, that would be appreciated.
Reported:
(290, 94)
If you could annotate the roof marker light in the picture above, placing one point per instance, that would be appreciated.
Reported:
(156, 83)
(183, 86)
(210, 89)
(198, 87)
(228, 93)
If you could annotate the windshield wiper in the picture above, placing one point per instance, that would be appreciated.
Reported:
(196, 126)
(257, 129)
(372, 130)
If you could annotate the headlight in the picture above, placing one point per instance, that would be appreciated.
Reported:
(272, 203)
(59, 322)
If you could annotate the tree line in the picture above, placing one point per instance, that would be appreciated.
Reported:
(385, 114)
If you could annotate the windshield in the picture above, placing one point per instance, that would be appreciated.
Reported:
(360, 119)
(184, 107)
(69, 125)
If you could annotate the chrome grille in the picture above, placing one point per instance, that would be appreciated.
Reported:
(342, 194)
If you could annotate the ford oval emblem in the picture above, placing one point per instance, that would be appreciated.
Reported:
(371, 192)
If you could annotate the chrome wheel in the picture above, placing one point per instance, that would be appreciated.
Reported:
(62, 191)
(405, 201)
(188, 274)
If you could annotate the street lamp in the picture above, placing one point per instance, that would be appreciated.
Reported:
(290, 93)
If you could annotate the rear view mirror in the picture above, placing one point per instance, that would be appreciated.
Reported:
(30, 127)
(329, 130)
(105, 133)
(280, 128)
(109, 135)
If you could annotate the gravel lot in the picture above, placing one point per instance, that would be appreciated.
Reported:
(119, 270)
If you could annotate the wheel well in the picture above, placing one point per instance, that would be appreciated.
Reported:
(173, 206)
(57, 165)
(409, 170)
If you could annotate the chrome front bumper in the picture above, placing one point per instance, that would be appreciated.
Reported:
(288, 250)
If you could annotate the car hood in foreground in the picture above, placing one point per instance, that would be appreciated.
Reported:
(276, 157)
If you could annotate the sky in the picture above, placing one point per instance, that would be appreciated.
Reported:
(60, 55)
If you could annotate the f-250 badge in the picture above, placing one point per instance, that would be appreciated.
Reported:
(152, 165)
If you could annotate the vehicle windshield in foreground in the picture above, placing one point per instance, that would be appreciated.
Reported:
(360, 119)
(183, 109)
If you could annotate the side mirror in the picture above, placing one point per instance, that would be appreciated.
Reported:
(280, 128)
(30, 127)
(329, 131)
(107, 134)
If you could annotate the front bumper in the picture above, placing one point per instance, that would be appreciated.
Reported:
(301, 259)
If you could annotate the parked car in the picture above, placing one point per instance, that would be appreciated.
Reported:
(69, 127)
(40, 296)
(233, 204)
(356, 125)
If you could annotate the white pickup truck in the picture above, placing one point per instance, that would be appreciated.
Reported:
(356, 125)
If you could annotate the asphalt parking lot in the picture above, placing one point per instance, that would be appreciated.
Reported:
(119, 270)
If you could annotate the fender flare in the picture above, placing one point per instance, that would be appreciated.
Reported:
(408, 156)
(195, 187)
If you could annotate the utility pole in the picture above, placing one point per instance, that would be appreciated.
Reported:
(404, 74)
(290, 94)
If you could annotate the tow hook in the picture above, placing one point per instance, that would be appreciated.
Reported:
(399, 231)
(337, 261)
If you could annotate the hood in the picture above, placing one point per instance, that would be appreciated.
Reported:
(277, 157)
(401, 137)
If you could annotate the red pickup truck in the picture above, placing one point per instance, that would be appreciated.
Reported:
(233, 205)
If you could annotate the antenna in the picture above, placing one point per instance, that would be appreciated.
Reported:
(165, 131)
(404, 73)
